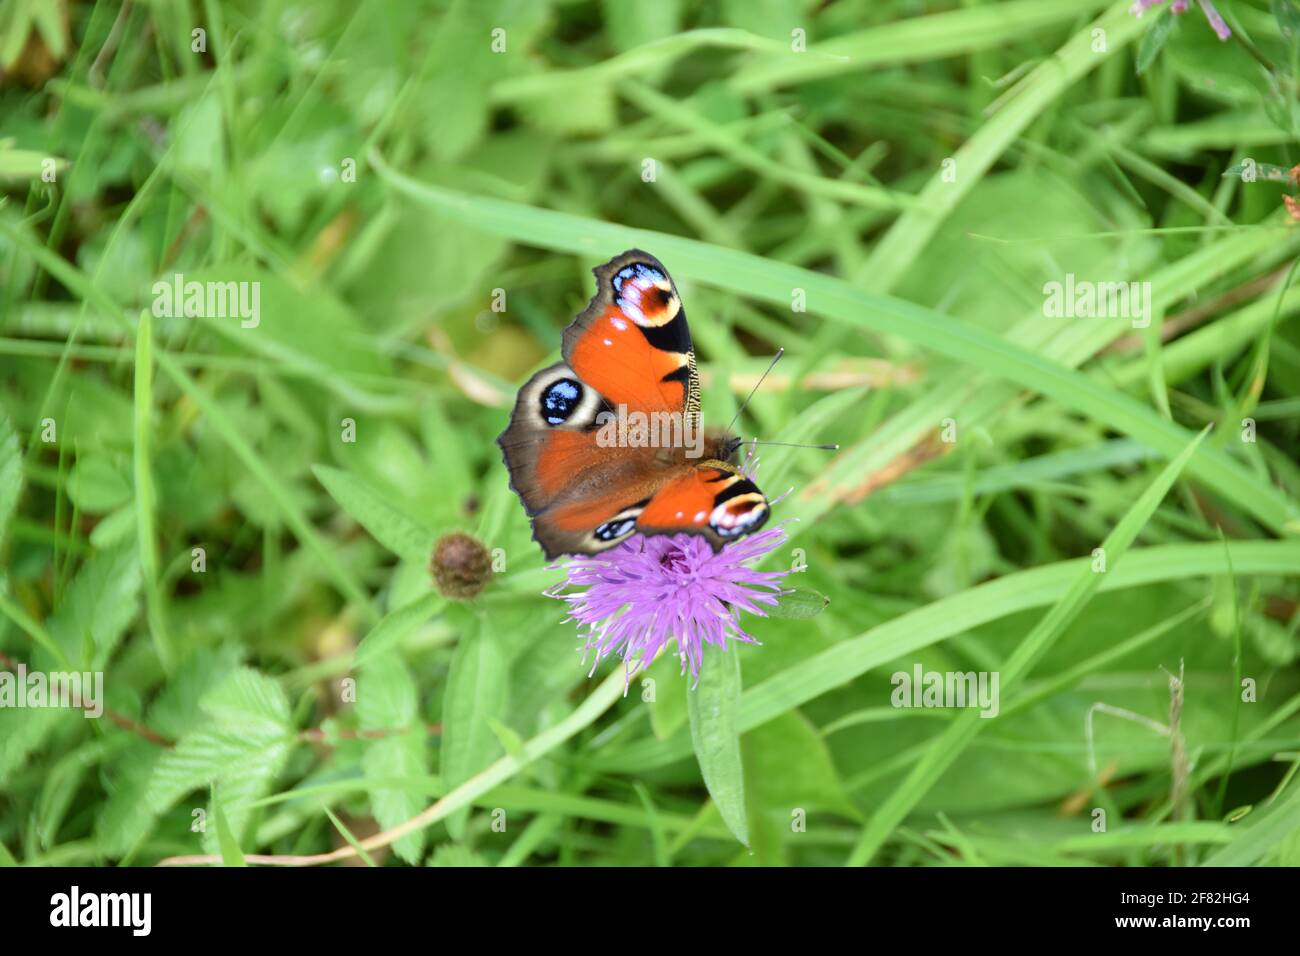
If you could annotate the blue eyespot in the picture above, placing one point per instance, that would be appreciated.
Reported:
(559, 401)
(612, 530)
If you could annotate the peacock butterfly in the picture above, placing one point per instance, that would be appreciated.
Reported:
(589, 480)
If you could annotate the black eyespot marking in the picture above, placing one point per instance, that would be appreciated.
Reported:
(559, 400)
(665, 296)
(672, 336)
(742, 487)
(611, 530)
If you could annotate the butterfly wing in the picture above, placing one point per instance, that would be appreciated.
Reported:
(578, 494)
(632, 343)
(713, 499)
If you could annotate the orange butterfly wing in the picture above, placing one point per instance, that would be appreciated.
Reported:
(632, 343)
(713, 499)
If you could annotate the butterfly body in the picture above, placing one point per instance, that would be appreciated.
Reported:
(587, 481)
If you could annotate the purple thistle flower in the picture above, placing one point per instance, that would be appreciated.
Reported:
(649, 590)
(1212, 15)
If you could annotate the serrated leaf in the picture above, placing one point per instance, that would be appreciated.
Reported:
(390, 526)
(453, 854)
(240, 750)
(713, 707)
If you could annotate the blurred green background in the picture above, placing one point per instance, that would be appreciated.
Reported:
(181, 506)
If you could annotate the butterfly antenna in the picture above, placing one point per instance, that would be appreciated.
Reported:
(771, 365)
(791, 444)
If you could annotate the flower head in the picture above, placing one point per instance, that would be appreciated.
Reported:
(460, 565)
(1212, 15)
(638, 596)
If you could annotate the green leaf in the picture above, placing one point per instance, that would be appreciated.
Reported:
(715, 734)
(97, 486)
(477, 690)
(240, 748)
(510, 741)
(454, 854)
(99, 605)
(391, 527)
(788, 766)
(387, 700)
(1153, 41)
(799, 604)
(396, 626)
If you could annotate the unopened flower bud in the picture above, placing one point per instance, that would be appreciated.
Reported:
(461, 566)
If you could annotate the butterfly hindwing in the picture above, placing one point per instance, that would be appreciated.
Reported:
(713, 499)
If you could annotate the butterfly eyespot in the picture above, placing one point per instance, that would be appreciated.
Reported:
(559, 400)
(612, 530)
(733, 520)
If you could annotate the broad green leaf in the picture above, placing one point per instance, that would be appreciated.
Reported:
(715, 735)
(240, 749)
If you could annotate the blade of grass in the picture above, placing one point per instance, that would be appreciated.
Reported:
(146, 499)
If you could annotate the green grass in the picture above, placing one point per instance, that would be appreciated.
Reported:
(914, 180)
